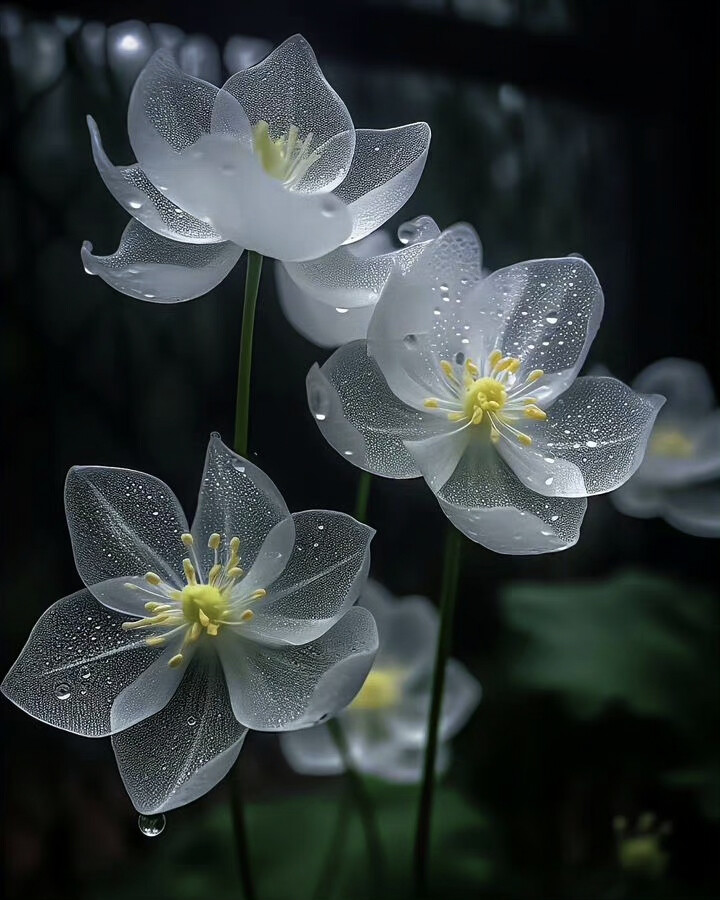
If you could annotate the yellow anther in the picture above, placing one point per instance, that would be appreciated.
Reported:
(528, 400)
(214, 572)
(204, 618)
(214, 541)
(507, 363)
(494, 435)
(247, 615)
(524, 439)
(153, 579)
(194, 633)
(236, 572)
(187, 539)
(235, 546)
(494, 358)
(176, 595)
(155, 641)
(176, 661)
(130, 586)
(534, 412)
(471, 367)
(151, 606)
(258, 594)
(477, 417)
(456, 416)
(431, 403)
(493, 405)
(534, 375)
(448, 369)
(189, 570)
(212, 629)
(513, 366)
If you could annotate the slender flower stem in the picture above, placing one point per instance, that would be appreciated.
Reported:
(331, 866)
(451, 572)
(364, 805)
(362, 496)
(237, 804)
(242, 403)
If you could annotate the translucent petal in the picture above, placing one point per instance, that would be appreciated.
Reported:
(684, 383)
(288, 88)
(129, 45)
(134, 191)
(151, 267)
(241, 52)
(599, 425)
(320, 582)
(695, 511)
(237, 499)
(485, 500)
(407, 630)
(312, 751)
(183, 751)
(199, 56)
(699, 461)
(639, 498)
(75, 663)
(127, 594)
(283, 688)
(123, 523)
(422, 315)
(437, 457)
(385, 170)
(324, 325)
(360, 416)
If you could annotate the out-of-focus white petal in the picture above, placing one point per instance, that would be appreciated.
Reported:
(485, 500)
(150, 267)
(199, 56)
(698, 459)
(684, 383)
(599, 425)
(407, 630)
(184, 750)
(360, 416)
(123, 523)
(312, 751)
(284, 688)
(242, 52)
(75, 663)
(386, 167)
(695, 511)
(639, 498)
(134, 191)
(237, 499)
(129, 45)
(288, 88)
(321, 581)
(437, 456)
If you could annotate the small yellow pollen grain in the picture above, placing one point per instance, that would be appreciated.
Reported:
(153, 579)
(236, 572)
(534, 412)
(494, 358)
(477, 416)
(448, 369)
(204, 618)
(258, 594)
(456, 416)
(214, 541)
(156, 641)
(214, 572)
(189, 570)
(524, 439)
(176, 661)
(493, 405)
(151, 606)
(534, 375)
(187, 539)
(431, 403)
(247, 615)
(471, 367)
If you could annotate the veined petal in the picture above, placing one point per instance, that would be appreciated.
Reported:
(237, 499)
(284, 688)
(600, 425)
(485, 500)
(321, 581)
(288, 88)
(386, 167)
(684, 383)
(123, 523)
(75, 663)
(150, 267)
(184, 750)
(134, 191)
(695, 511)
(437, 456)
(360, 416)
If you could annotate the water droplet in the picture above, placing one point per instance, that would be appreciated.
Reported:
(341, 310)
(551, 318)
(591, 443)
(85, 672)
(192, 720)
(151, 826)
(63, 691)
(327, 207)
(549, 481)
(407, 233)
(134, 204)
(410, 340)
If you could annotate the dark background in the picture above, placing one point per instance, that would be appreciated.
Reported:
(558, 127)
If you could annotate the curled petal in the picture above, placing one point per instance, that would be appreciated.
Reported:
(685, 385)
(361, 417)
(288, 88)
(321, 581)
(695, 511)
(123, 523)
(385, 170)
(284, 688)
(312, 751)
(150, 267)
(184, 750)
(438, 456)
(639, 498)
(74, 665)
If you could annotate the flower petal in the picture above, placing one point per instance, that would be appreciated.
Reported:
(134, 191)
(639, 498)
(151, 267)
(75, 663)
(385, 170)
(484, 499)
(284, 688)
(699, 461)
(288, 88)
(695, 511)
(438, 456)
(184, 750)
(312, 751)
(237, 499)
(361, 418)
(321, 581)
(407, 630)
(123, 523)
(685, 384)
(600, 425)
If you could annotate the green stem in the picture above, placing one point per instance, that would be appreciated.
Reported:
(376, 857)
(331, 866)
(362, 496)
(242, 403)
(451, 572)
(237, 804)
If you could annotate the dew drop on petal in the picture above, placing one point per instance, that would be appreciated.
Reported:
(85, 673)
(407, 232)
(151, 826)
(192, 720)
(63, 691)
(327, 207)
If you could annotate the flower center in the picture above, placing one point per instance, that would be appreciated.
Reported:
(490, 394)
(200, 607)
(671, 443)
(382, 689)
(286, 158)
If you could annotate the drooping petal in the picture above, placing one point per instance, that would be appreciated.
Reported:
(184, 750)
(407, 630)
(639, 498)
(684, 383)
(321, 581)
(695, 511)
(312, 751)
(288, 88)
(237, 499)
(151, 267)
(600, 426)
(284, 688)
(360, 416)
(134, 191)
(386, 167)
(75, 663)
(123, 523)
(485, 500)
(682, 451)
(438, 456)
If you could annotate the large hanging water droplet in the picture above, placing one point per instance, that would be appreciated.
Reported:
(151, 826)
(63, 691)
(407, 232)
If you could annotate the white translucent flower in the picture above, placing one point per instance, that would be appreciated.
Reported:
(186, 638)
(270, 162)
(471, 382)
(330, 300)
(385, 726)
(679, 479)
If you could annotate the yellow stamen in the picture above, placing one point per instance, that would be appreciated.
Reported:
(153, 579)
(214, 541)
(448, 370)
(236, 572)
(204, 618)
(534, 375)
(176, 661)
(187, 539)
(524, 439)
(189, 570)
(212, 629)
(155, 641)
(534, 412)
(258, 594)
(471, 367)
(456, 416)
(431, 403)
(247, 615)
(494, 358)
